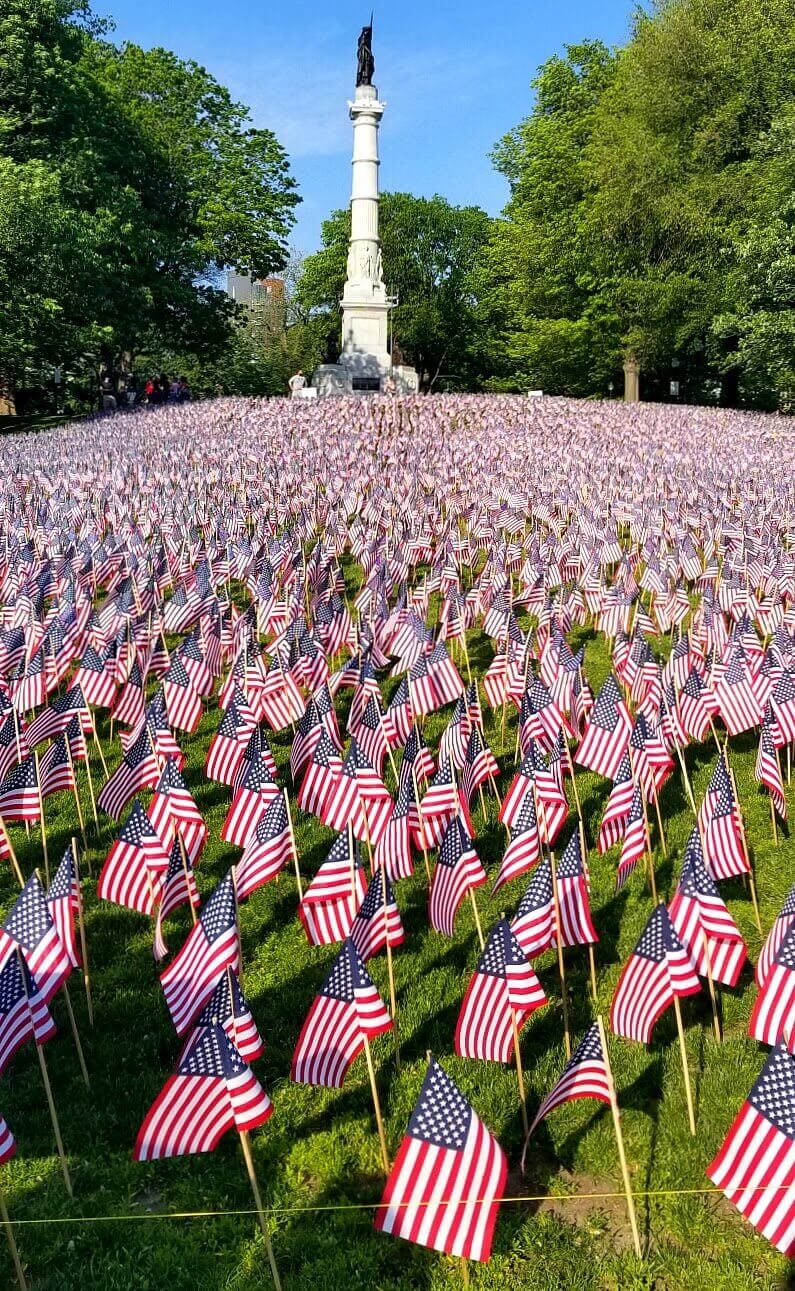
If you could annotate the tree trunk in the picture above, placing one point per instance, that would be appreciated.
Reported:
(8, 405)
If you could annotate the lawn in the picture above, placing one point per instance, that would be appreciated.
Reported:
(317, 1158)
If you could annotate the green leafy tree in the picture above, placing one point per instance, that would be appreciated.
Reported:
(430, 252)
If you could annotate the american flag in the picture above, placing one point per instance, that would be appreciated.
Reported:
(63, 901)
(524, 845)
(23, 1010)
(584, 1076)
(658, 969)
(783, 701)
(19, 792)
(445, 1186)
(94, 680)
(393, 849)
(211, 946)
(479, 764)
(697, 705)
(702, 920)
(30, 927)
(767, 770)
(503, 990)
(134, 865)
(719, 825)
(8, 1144)
(533, 925)
(335, 894)
(441, 798)
(178, 887)
(416, 755)
(182, 702)
(458, 870)
(307, 734)
(269, 848)
(636, 839)
(784, 921)
(228, 1007)
(774, 1008)
(139, 769)
(607, 731)
(53, 720)
(55, 768)
(454, 739)
(359, 798)
(320, 780)
(369, 732)
(172, 809)
(755, 1166)
(212, 1091)
(377, 919)
(739, 705)
(576, 925)
(618, 807)
(129, 703)
(228, 745)
(14, 744)
(347, 1009)
(255, 789)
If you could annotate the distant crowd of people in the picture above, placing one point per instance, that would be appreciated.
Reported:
(156, 390)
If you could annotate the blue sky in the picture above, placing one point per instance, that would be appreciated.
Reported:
(455, 77)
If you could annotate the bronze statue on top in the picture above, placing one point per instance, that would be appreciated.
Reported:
(366, 63)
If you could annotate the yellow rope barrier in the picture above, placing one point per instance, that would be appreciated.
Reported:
(377, 1205)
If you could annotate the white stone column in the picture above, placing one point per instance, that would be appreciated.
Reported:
(364, 303)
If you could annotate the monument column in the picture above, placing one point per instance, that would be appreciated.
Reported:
(364, 301)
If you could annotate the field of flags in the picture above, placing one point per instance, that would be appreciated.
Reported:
(405, 772)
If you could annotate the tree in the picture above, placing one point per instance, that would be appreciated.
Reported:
(549, 322)
(430, 251)
(152, 171)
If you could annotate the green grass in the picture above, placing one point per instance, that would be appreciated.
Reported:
(320, 1150)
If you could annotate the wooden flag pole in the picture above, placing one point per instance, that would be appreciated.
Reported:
(295, 849)
(48, 1091)
(390, 969)
(12, 1245)
(12, 853)
(41, 813)
(746, 854)
(711, 984)
(773, 818)
(660, 824)
(633, 1223)
(422, 824)
(263, 1223)
(233, 871)
(477, 917)
(685, 1070)
(93, 799)
(561, 964)
(519, 1072)
(81, 923)
(377, 1106)
(99, 746)
(592, 964)
(186, 873)
(76, 1034)
(649, 856)
(74, 790)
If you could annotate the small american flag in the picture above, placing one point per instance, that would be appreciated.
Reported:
(212, 1091)
(255, 789)
(63, 901)
(268, 849)
(139, 769)
(503, 990)
(334, 895)
(228, 1006)
(784, 921)
(534, 922)
(584, 1076)
(774, 1008)
(445, 1186)
(347, 1009)
(178, 887)
(211, 946)
(699, 915)
(458, 870)
(377, 919)
(30, 927)
(19, 792)
(755, 1166)
(23, 1010)
(134, 865)
(8, 1144)
(719, 825)
(607, 731)
(658, 969)
(172, 809)
(524, 845)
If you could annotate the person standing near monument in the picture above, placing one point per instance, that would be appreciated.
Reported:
(297, 384)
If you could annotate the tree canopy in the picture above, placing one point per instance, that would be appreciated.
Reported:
(128, 178)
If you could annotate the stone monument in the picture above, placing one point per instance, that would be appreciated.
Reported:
(365, 363)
